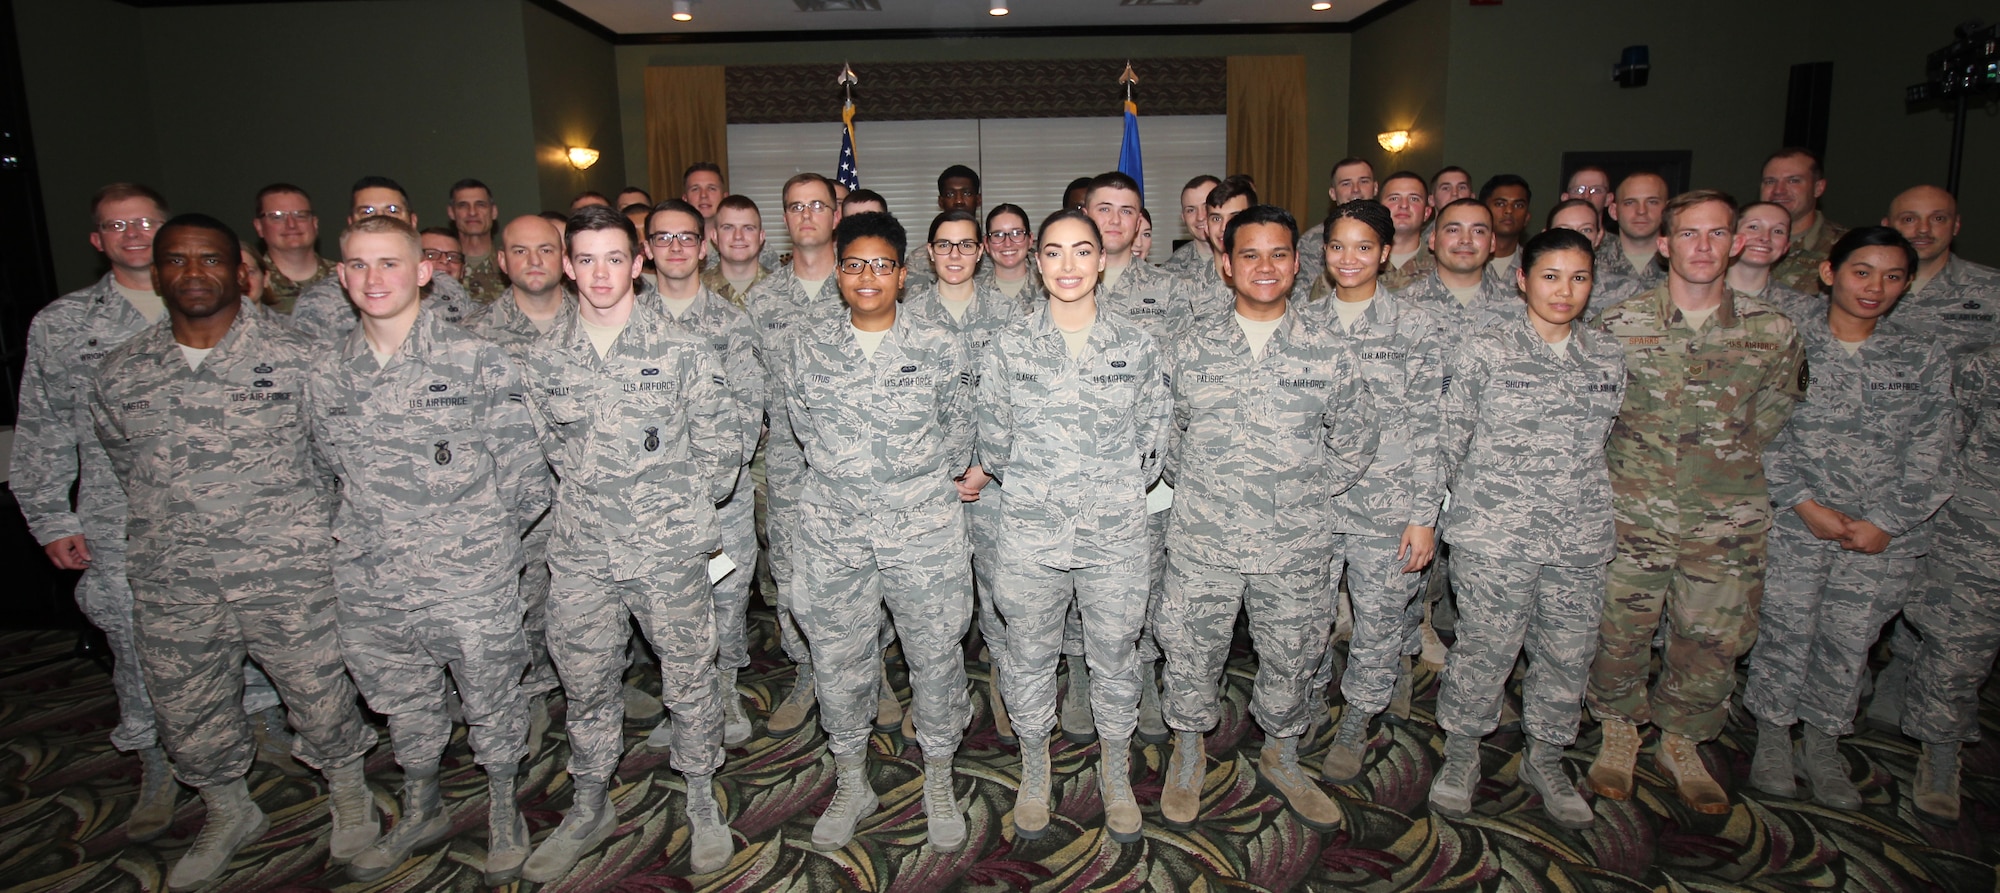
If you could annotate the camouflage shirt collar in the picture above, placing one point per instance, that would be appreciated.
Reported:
(415, 344)
(1725, 312)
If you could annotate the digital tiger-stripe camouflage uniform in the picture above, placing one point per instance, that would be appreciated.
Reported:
(323, 312)
(985, 316)
(645, 441)
(439, 482)
(1692, 507)
(228, 555)
(503, 323)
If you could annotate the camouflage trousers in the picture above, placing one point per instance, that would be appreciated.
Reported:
(1037, 600)
(736, 518)
(541, 675)
(193, 656)
(1506, 608)
(780, 473)
(1702, 594)
(1386, 615)
(399, 659)
(983, 518)
(838, 596)
(1156, 538)
(675, 607)
(105, 598)
(1957, 620)
(1290, 616)
(1823, 608)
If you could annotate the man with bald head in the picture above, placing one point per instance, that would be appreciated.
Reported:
(1951, 298)
(1638, 208)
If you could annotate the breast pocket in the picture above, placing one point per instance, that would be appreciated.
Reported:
(451, 465)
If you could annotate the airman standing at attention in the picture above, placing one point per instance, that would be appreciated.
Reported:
(323, 311)
(473, 213)
(290, 233)
(1714, 375)
(426, 427)
(1635, 254)
(1794, 178)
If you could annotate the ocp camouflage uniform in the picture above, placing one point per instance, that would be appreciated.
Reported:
(645, 440)
(1957, 615)
(1960, 305)
(281, 293)
(1530, 521)
(1799, 270)
(438, 481)
(56, 447)
(713, 280)
(780, 309)
(1260, 447)
(1692, 507)
(726, 329)
(880, 522)
(990, 312)
(324, 313)
(483, 283)
(1401, 351)
(503, 323)
(227, 543)
(1398, 277)
(1612, 262)
(1874, 439)
(1078, 440)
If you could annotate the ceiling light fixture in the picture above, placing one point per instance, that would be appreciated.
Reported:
(1394, 140)
(1322, 6)
(999, 8)
(682, 12)
(582, 157)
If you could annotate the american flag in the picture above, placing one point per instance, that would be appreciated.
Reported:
(845, 172)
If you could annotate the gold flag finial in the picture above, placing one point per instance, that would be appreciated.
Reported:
(847, 78)
(1128, 78)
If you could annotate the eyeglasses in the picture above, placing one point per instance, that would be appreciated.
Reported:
(372, 210)
(668, 240)
(882, 266)
(816, 206)
(962, 246)
(144, 224)
(1007, 235)
(450, 257)
(282, 216)
(1588, 190)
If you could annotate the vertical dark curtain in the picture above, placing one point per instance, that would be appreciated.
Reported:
(687, 120)
(1267, 129)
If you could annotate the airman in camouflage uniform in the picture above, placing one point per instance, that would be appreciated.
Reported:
(1961, 304)
(324, 313)
(1262, 443)
(472, 211)
(1955, 615)
(286, 224)
(881, 524)
(1530, 525)
(280, 292)
(439, 480)
(1794, 179)
(226, 543)
(1873, 440)
(1692, 506)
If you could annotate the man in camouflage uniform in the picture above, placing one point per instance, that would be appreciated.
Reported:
(795, 298)
(1272, 420)
(473, 212)
(1794, 178)
(1855, 476)
(976, 309)
(674, 240)
(881, 404)
(56, 447)
(638, 420)
(530, 254)
(1636, 208)
(1957, 613)
(736, 235)
(227, 533)
(1527, 404)
(1956, 301)
(1351, 178)
(1196, 254)
(1458, 292)
(427, 428)
(1407, 197)
(290, 232)
(1714, 374)
(323, 311)
(1204, 293)
(1387, 522)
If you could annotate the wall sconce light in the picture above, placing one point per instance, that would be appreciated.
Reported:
(1322, 6)
(997, 8)
(582, 157)
(1394, 140)
(681, 11)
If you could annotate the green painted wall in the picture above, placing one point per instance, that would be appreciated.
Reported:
(1326, 70)
(1400, 67)
(573, 98)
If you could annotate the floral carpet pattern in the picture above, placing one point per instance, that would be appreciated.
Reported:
(64, 795)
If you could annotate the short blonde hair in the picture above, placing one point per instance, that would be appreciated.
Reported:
(383, 224)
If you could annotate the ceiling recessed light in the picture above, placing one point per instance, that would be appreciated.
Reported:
(1322, 6)
(999, 8)
(681, 11)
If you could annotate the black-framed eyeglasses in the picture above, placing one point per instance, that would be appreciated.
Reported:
(450, 257)
(668, 240)
(962, 246)
(882, 266)
(1007, 235)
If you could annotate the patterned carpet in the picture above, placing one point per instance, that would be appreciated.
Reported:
(64, 794)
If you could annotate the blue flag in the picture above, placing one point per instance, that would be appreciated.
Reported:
(846, 173)
(1129, 162)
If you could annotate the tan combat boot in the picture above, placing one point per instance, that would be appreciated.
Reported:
(1937, 784)
(1032, 800)
(1180, 791)
(1679, 759)
(1278, 769)
(1611, 773)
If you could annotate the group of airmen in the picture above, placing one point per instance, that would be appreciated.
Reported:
(448, 470)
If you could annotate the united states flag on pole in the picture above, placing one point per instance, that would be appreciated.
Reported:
(845, 172)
